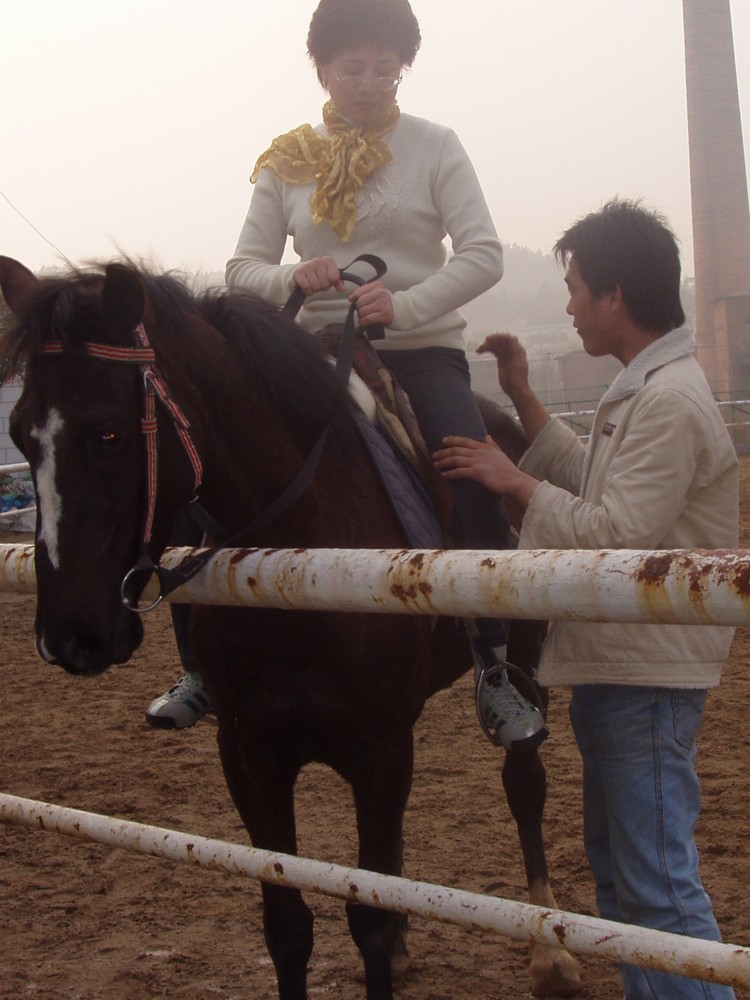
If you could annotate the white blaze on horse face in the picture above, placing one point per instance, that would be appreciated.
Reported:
(49, 500)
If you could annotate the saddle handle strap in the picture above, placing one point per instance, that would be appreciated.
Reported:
(296, 300)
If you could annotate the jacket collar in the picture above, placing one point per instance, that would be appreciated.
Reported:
(672, 346)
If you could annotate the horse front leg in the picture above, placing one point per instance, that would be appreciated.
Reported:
(554, 971)
(263, 793)
(381, 784)
(288, 930)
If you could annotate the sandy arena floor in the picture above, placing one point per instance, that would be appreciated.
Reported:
(84, 922)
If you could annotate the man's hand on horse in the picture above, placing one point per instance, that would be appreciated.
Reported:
(487, 463)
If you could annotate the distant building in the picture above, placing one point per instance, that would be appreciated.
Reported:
(9, 393)
(585, 378)
(561, 373)
(730, 346)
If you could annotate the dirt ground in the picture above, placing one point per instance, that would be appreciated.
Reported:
(86, 922)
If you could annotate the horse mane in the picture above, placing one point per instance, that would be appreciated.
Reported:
(280, 359)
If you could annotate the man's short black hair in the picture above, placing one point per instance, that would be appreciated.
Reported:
(627, 245)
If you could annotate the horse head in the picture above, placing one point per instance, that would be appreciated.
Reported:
(81, 425)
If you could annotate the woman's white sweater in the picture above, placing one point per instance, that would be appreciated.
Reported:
(429, 190)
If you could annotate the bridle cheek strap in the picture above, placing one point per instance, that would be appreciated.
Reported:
(154, 387)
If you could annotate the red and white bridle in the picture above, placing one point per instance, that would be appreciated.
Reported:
(154, 387)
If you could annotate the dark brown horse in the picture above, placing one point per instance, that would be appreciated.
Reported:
(242, 395)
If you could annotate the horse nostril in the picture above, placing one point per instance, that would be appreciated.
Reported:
(44, 652)
(84, 655)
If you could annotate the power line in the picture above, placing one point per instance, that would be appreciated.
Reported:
(30, 223)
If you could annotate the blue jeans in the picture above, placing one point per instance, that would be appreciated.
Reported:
(641, 801)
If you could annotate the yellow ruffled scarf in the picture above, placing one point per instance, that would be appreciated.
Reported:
(339, 165)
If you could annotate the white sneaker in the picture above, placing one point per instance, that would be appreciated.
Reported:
(506, 717)
(181, 706)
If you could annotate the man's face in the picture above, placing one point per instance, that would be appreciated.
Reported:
(591, 313)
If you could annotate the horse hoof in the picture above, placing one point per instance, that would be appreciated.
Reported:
(399, 967)
(556, 974)
(400, 953)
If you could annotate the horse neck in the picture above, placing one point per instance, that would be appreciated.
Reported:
(250, 457)
(248, 454)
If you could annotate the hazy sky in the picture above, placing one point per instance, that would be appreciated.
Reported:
(132, 127)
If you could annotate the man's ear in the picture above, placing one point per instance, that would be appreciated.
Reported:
(616, 298)
(618, 307)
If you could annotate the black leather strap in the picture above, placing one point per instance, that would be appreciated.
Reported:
(296, 300)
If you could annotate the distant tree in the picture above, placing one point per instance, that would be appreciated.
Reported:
(531, 295)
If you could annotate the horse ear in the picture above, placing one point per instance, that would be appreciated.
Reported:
(16, 281)
(123, 300)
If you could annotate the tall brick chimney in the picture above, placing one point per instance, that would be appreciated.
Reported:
(718, 185)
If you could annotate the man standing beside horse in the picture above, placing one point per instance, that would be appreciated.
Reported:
(659, 472)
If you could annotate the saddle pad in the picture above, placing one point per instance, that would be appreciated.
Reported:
(407, 493)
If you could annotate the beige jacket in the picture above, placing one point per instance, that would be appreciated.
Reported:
(660, 472)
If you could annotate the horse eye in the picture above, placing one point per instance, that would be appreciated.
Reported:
(107, 440)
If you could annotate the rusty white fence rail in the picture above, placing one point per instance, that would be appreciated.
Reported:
(581, 420)
(698, 587)
(15, 513)
(573, 414)
(723, 963)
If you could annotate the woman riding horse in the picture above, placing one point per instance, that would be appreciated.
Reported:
(373, 180)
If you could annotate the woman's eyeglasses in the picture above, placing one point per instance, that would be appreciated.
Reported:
(382, 83)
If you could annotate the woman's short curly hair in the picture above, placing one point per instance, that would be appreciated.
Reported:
(344, 24)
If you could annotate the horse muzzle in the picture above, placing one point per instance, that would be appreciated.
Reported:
(83, 653)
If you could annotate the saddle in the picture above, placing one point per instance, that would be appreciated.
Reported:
(418, 493)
